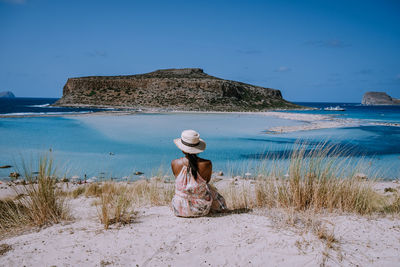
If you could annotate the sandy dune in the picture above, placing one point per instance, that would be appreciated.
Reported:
(158, 238)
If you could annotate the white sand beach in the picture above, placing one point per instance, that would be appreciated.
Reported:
(310, 122)
(254, 238)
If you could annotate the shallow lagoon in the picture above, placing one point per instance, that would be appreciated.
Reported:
(116, 146)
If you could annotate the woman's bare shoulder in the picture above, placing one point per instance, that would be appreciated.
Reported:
(176, 162)
(204, 164)
(176, 165)
(204, 161)
(205, 168)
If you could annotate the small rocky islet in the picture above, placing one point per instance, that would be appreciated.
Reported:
(189, 89)
(378, 98)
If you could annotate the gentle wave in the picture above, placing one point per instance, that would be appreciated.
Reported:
(39, 106)
(43, 113)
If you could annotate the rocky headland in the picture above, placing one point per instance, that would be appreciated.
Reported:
(171, 89)
(379, 98)
(7, 94)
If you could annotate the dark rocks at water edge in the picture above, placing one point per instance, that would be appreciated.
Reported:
(7, 94)
(379, 98)
(14, 175)
(171, 89)
(5, 166)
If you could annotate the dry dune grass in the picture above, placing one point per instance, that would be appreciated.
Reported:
(309, 193)
(12, 215)
(76, 192)
(239, 197)
(89, 190)
(318, 180)
(393, 205)
(38, 203)
(152, 192)
(93, 190)
(117, 201)
(115, 204)
(43, 199)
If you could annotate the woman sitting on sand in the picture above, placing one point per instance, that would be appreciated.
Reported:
(193, 195)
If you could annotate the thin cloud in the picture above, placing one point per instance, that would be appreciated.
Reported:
(283, 69)
(249, 51)
(398, 77)
(333, 43)
(97, 53)
(334, 79)
(365, 72)
(15, 2)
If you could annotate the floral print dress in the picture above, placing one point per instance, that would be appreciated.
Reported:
(194, 198)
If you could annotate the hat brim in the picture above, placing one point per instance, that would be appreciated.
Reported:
(189, 149)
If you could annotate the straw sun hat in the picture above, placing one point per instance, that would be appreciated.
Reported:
(190, 142)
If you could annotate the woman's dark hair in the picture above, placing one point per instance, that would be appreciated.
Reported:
(193, 164)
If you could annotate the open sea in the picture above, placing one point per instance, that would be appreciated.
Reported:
(108, 146)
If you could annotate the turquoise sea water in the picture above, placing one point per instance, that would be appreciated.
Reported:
(117, 146)
(389, 114)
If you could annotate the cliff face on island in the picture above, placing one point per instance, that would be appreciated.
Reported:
(7, 94)
(379, 98)
(177, 89)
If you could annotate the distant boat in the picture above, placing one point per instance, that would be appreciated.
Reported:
(337, 108)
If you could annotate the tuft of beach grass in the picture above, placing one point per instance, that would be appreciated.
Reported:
(321, 179)
(115, 205)
(39, 202)
(93, 190)
(118, 200)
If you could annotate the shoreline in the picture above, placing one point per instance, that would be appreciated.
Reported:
(135, 111)
(311, 121)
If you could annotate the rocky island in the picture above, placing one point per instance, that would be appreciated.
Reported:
(379, 98)
(171, 89)
(7, 94)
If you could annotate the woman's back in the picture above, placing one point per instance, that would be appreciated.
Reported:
(204, 167)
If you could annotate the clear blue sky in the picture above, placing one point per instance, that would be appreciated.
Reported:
(311, 50)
